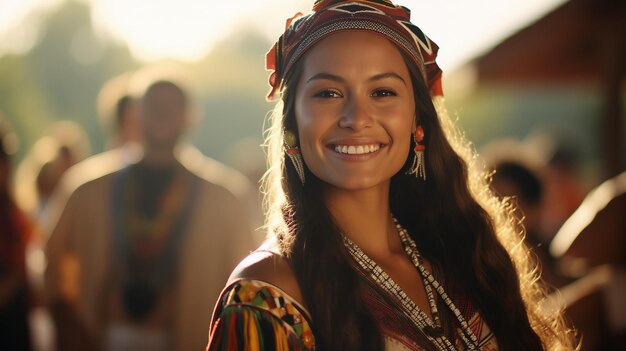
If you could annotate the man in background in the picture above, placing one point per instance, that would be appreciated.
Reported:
(138, 256)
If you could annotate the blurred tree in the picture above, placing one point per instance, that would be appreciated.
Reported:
(71, 62)
(59, 78)
(232, 86)
(22, 102)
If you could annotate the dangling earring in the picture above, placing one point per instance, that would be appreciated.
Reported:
(419, 167)
(293, 151)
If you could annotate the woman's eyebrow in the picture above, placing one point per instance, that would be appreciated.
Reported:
(387, 75)
(336, 78)
(327, 76)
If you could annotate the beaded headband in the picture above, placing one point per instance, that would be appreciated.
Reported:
(331, 16)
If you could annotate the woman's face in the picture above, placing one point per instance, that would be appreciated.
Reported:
(355, 110)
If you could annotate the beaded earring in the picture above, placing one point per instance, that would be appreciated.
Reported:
(290, 142)
(419, 167)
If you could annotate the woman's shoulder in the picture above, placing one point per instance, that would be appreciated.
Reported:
(268, 267)
(261, 298)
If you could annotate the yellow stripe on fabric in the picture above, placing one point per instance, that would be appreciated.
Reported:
(281, 338)
(251, 331)
(270, 299)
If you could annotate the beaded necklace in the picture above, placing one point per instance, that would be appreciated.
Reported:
(146, 246)
(432, 329)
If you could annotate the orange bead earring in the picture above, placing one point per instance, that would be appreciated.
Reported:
(419, 167)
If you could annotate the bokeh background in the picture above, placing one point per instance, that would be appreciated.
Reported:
(511, 68)
(541, 82)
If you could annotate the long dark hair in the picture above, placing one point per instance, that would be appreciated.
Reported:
(473, 244)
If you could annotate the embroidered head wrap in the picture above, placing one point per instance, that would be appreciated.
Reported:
(330, 16)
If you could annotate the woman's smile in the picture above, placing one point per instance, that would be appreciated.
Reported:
(355, 149)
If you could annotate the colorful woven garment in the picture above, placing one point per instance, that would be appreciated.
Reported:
(254, 315)
(403, 335)
(331, 16)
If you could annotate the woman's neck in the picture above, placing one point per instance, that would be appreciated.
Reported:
(364, 216)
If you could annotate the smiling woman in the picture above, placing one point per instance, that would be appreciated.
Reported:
(348, 104)
(382, 236)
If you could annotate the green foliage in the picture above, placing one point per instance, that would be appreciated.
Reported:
(22, 101)
(61, 76)
(53, 81)
(233, 84)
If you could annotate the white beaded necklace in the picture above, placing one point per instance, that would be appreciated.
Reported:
(431, 329)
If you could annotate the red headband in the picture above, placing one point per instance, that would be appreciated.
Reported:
(330, 16)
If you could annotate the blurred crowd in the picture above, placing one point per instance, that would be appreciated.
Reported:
(577, 235)
(127, 249)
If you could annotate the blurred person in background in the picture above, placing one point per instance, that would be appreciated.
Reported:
(563, 189)
(119, 114)
(518, 179)
(229, 178)
(193, 159)
(15, 233)
(63, 145)
(37, 177)
(591, 245)
(138, 256)
(118, 111)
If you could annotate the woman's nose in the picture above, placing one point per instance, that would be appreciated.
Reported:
(355, 114)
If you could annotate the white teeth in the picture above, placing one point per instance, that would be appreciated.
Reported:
(357, 150)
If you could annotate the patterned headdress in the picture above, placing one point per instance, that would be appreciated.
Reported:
(330, 16)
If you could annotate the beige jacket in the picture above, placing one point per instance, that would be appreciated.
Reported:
(218, 236)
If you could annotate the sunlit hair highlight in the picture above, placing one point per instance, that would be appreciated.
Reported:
(549, 324)
(281, 226)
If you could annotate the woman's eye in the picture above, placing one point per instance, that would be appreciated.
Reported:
(328, 94)
(383, 93)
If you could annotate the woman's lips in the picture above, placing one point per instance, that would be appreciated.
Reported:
(357, 149)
